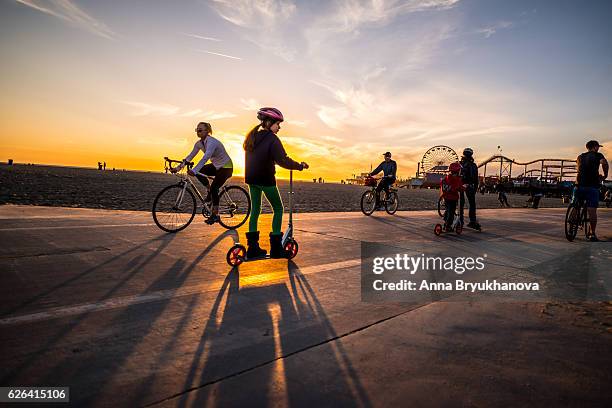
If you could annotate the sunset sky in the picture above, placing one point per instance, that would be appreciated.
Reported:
(85, 81)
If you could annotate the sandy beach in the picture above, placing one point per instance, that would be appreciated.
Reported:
(134, 190)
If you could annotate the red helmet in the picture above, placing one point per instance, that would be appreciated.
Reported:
(455, 167)
(270, 113)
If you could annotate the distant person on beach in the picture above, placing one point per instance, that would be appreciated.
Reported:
(263, 150)
(588, 181)
(535, 195)
(389, 169)
(104, 165)
(220, 166)
(450, 186)
(501, 195)
(469, 171)
(99, 166)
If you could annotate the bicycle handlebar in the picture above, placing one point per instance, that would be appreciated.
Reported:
(170, 161)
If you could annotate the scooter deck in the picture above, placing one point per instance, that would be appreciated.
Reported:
(259, 258)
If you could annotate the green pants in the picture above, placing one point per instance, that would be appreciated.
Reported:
(274, 198)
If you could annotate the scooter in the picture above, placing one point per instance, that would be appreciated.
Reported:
(237, 253)
(456, 226)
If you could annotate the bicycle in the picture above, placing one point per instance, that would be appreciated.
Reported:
(390, 200)
(175, 206)
(455, 226)
(441, 207)
(577, 217)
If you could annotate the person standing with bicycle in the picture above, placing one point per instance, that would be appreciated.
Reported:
(220, 166)
(469, 171)
(588, 181)
(263, 151)
(389, 169)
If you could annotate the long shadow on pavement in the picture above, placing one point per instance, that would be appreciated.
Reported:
(281, 319)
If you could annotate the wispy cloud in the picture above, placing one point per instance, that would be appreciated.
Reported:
(68, 11)
(491, 29)
(200, 37)
(250, 104)
(350, 15)
(212, 115)
(249, 13)
(264, 21)
(220, 55)
(413, 119)
(374, 73)
(332, 139)
(298, 123)
(147, 109)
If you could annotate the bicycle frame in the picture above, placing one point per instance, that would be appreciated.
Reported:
(187, 181)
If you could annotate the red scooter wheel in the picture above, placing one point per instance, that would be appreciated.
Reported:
(459, 229)
(438, 229)
(292, 248)
(236, 255)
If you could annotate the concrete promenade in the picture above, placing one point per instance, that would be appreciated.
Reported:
(127, 315)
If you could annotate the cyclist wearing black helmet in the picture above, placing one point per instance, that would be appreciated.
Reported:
(389, 169)
(588, 180)
(469, 172)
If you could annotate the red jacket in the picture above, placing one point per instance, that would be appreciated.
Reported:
(450, 186)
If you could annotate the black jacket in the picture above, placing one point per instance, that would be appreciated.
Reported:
(259, 164)
(469, 172)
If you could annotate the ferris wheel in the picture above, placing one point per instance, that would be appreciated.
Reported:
(437, 159)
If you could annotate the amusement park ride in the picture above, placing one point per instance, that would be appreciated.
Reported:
(552, 175)
(541, 172)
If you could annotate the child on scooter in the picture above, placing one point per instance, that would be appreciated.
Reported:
(263, 150)
(450, 186)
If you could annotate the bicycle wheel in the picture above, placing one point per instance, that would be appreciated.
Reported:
(234, 206)
(441, 207)
(174, 208)
(391, 203)
(368, 202)
(586, 223)
(572, 220)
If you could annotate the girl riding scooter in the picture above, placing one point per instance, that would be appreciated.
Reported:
(263, 150)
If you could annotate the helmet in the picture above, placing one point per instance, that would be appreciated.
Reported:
(455, 167)
(387, 154)
(270, 113)
(468, 152)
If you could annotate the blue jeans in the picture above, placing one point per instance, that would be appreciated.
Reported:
(588, 194)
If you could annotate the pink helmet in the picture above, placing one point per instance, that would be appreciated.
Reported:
(455, 167)
(270, 113)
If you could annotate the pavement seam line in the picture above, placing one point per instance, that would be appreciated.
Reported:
(246, 370)
(56, 227)
(126, 301)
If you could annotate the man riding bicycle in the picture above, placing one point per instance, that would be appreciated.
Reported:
(588, 181)
(389, 169)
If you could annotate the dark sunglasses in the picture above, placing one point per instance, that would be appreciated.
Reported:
(200, 130)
